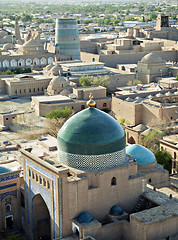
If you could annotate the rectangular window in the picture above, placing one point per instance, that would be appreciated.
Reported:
(44, 182)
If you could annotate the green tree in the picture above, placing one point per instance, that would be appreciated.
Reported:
(96, 81)
(107, 21)
(93, 81)
(153, 16)
(88, 21)
(60, 113)
(56, 119)
(122, 121)
(85, 81)
(164, 159)
(26, 17)
(151, 141)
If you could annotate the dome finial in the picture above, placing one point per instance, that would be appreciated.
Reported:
(91, 103)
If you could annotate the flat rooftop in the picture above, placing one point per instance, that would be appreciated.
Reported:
(159, 213)
(168, 80)
(12, 113)
(54, 98)
(80, 64)
(90, 88)
(171, 139)
(24, 77)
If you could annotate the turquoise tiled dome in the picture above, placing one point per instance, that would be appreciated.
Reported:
(4, 170)
(91, 132)
(91, 140)
(142, 155)
(116, 210)
(84, 217)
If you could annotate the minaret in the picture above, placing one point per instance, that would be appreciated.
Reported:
(67, 38)
(17, 30)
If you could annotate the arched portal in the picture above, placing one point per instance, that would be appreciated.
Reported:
(131, 140)
(41, 219)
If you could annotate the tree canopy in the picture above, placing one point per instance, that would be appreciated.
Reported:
(93, 81)
(164, 159)
(60, 113)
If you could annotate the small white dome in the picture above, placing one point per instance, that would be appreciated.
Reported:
(151, 58)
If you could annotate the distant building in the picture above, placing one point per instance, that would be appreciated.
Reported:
(24, 85)
(29, 54)
(170, 145)
(150, 67)
(76, 100)
(146, 107)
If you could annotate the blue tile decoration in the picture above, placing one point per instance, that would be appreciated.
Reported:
(8, 186)
(12, 193)
(9, 177)
(35, 190)
(60, 207)
(93, 162)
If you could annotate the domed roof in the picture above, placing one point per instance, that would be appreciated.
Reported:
(84, 217)
(48, 67)
(116, 210)
(151, 58)
(142, 155)
(8, 46)
(91, 140)
(31, 43)
(58, 79)
(65, 92)
(91, 132)
(55, 68)
(4, 170)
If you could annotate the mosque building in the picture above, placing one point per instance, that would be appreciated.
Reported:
(92, 186)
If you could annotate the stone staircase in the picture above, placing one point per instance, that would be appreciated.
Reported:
(139, 204)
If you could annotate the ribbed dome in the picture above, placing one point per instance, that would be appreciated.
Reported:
(151, 58)
(142, 155)
(4, 170)
(89, 139)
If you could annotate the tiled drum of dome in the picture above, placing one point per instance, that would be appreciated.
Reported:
(93, 162)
